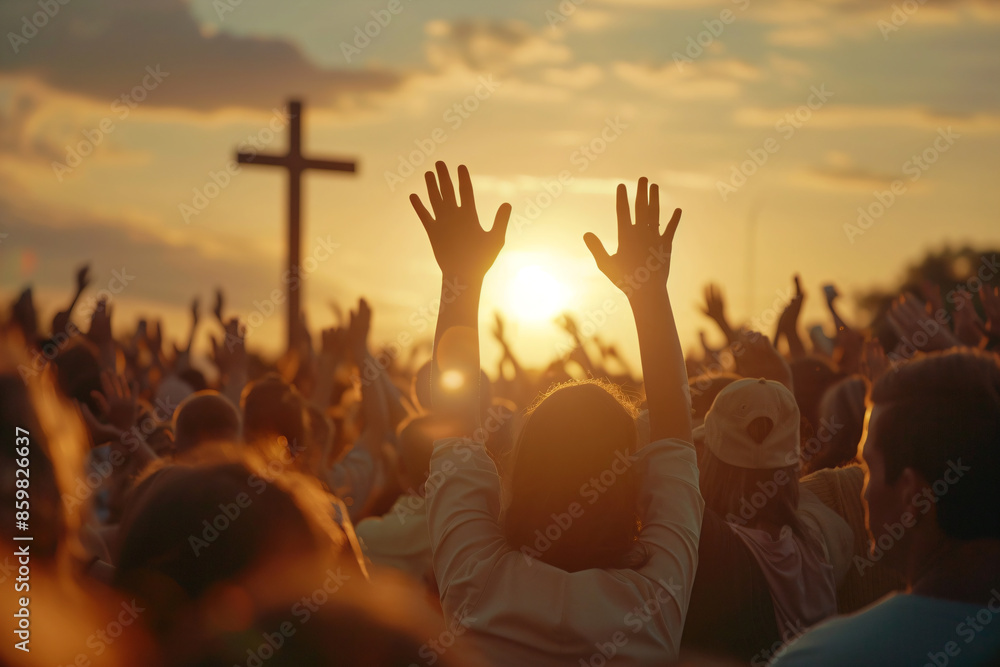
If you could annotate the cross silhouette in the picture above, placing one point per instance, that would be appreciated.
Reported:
(295, 163)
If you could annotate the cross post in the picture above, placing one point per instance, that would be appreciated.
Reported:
(295, 163)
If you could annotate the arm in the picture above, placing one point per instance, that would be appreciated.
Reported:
(715, 309)
(642, 249)
(389, 409)
(788, 324)
(117, 404)
(373, 406)
(464, 251)
(909, 317)
(757, 358)
(230, 357)
(62, 319)
(100, 334)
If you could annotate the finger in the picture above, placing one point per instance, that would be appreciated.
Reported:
(102, 403)
(465, 187)
(624, 218)
(107, 386)
(89, 417)
(798, 286)
(641, 201)
(433, 193)
(500, 221)
(425, 217)
(596, 248)
(447, 188)
(675, 220)
(653, 210)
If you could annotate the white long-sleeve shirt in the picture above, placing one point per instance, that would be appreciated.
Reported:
(518, 610)
(354, 479)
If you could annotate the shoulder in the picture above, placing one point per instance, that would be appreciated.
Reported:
(853, 639)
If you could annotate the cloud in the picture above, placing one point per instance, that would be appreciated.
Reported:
(101, 50)
(583, 76)
(491, 45)
(20, 134)
(700, 79)
(846, 116)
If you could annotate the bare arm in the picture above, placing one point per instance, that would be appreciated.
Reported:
(643, 250)
(465, 252)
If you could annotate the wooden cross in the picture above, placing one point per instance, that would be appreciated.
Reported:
(295, 163)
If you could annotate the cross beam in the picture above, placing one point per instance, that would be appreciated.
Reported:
(296, 163)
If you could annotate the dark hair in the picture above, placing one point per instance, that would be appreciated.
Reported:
(202, 417)
(704, 389)
(934, 412)
(572, 435)
(731, 491)
(416, 444)
(811, 376)
(838, 432)
(273, 408)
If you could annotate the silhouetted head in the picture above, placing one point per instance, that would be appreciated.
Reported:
(704, 389)
(416, 443)
(811, 376)
(836, 436)
(573, 460)
(191, 528)
(273, 409)
(382, 624)
(79, 372)
(206, 416)
(933, 434)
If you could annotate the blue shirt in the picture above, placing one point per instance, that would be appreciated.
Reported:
(904, 629)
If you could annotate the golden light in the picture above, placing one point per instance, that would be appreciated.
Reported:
(452, 380)
(535, 295)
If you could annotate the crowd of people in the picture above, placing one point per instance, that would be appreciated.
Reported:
(833, 500)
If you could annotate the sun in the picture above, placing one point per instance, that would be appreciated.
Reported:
(534, 295)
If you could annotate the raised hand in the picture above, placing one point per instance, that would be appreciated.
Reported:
(715, 309)
(640, 268)
(909, 317)
(465, 252)
(61, 321)
(498, 329)
(358, 329)
(25, 315)
(100, 323)
(220, 301)
(874, 363)
(642, 260)
(230, 354)
(788, 323)
(462, 248)
(116, 403)
(82, 279)
(757, 358)
(568, 323)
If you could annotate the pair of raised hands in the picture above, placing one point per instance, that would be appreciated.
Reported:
(464, 250)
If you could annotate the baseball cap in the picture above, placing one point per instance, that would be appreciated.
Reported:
(738, 404)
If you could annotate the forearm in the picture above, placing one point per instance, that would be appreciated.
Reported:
(456, 348)
(663, 371)
(796, 348)
(392, 399)
(375, 412)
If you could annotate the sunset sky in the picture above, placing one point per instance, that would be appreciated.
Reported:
(599, 92)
